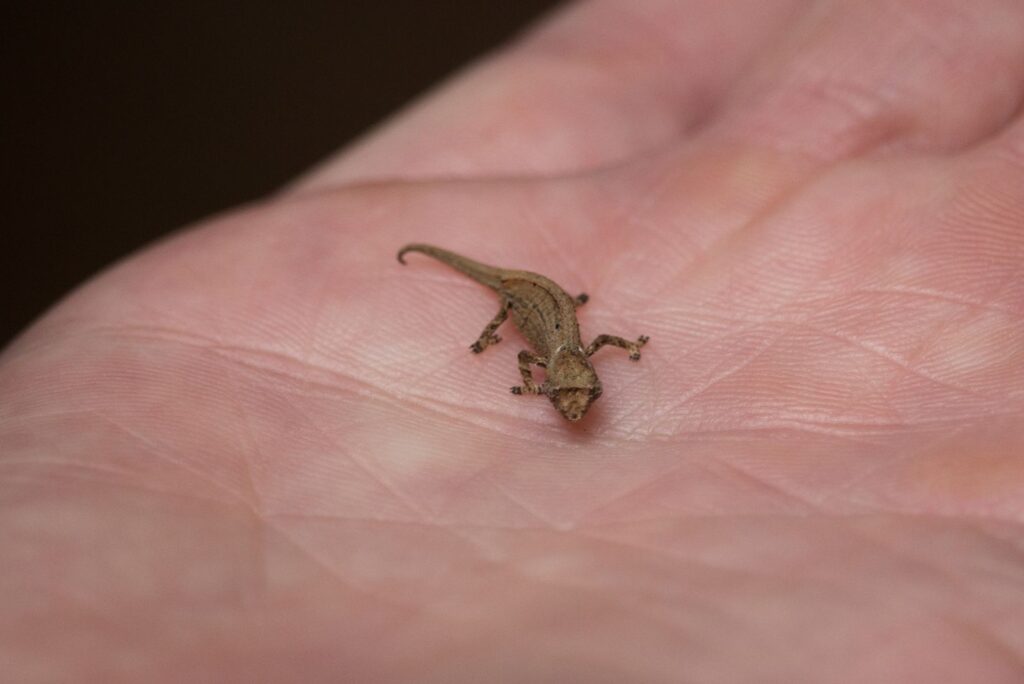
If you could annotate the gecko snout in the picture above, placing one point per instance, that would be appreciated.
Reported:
(573, 402)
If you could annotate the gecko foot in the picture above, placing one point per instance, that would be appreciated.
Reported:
(640, 341)
(477, 347)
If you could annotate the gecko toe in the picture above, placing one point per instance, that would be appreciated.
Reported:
(517, 390)
(635, 356)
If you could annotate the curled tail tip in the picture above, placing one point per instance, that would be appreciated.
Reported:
(411, 247)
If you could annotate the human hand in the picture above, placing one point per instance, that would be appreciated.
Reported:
(261, 450)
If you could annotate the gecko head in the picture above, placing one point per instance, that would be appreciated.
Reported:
(573, 402)
(572, 385)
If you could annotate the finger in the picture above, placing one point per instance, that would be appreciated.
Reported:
(594, 84)
(852, 79)
(856, 76)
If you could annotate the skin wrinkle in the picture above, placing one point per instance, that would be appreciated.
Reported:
(152, 448)
(730, 334)
(895, 553)
(646, 195)
(928, 293)
(658, 477)
(405, 500)
(808, 505)
(896, 461)
(970, 315)
(699, 263)
(388, 486)
(898, 416)
(517, 571)
(866, 428)
(873, 126)
(549, 246)
(449, 530)
(720, 375)
(547, 523)
(247, 445)
(817, 583)
(690, 562)
(369, 389)
(973, 521)
(665, 612)
(50, 476)
(48, 463)
(812, 428)
(894, 359)
(335, 574)
(597, 594)
(265, 521)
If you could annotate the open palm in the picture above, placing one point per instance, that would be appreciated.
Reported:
(261, 450)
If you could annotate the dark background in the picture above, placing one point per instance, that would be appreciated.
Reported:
(126, 120)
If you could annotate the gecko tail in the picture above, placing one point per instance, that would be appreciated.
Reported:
(488, 275)
(429, 250)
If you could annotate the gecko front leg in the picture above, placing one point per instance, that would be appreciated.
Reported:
(632, 347)
(487, 337)
(529, 386)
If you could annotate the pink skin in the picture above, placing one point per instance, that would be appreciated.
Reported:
(260, 451)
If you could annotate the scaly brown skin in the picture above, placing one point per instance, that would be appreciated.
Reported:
(546, 315)
(227, 460)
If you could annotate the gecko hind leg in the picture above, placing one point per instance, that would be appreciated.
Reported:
(632, 347)
(487, 337)
(529, 386)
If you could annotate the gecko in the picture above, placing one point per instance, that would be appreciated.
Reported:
(546, 316)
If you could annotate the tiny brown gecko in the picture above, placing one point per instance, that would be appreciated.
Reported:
(546, 316)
